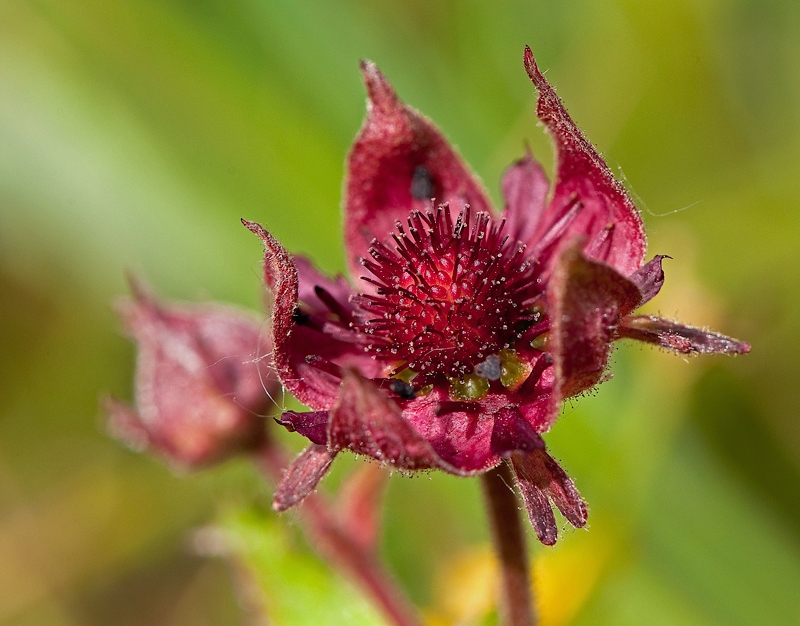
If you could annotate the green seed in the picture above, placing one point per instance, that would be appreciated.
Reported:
(513, 370)
(542, 342)
(470, 387)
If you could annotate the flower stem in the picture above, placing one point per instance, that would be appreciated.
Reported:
(330, 537)
(509, 542)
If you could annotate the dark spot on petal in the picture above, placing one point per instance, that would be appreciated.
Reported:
(402, 389)
(422, 187)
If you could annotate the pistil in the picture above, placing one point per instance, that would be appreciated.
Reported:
(448, 296)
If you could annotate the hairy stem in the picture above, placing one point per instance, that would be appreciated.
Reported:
(509, 542)
(331, 538)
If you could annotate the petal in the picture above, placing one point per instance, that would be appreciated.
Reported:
(587, 300)
(677, 337)
(458, 432)
(512, 433)
(328, 335)
(313, 425)
(366, 421)
(563, 493)
(310, 385)
(605, 211)
(525, 187)
(540, 512)
(537, 403)
(302, 476)
(311, 280)
(541, 413)
(649, 278)
(238, 348)
(399, 162)
(541, 481)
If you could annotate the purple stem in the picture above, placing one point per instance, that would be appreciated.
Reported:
(502, 506)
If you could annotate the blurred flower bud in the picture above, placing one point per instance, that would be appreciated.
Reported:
(204, 380)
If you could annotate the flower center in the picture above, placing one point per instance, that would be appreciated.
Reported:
(449, 294)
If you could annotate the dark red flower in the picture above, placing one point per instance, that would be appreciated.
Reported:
(201, 376)
(464, 330)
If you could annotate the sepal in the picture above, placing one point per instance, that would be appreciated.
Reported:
(679, 337)
(542, 481)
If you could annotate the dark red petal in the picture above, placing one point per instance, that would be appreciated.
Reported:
(649, 278)
(537, 403)
(525, 187)
(607, 214)
(396, 149)
(366, 421)
(512, 433)
(335, 342)
(677, 337)
(302, 476)
(587, 300)
(313, 425)
(308, 384)
(541, 480)
(460, 433)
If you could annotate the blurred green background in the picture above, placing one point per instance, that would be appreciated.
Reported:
(135, 133)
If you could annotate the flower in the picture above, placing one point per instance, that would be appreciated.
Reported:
(463, 330)
(201, 378)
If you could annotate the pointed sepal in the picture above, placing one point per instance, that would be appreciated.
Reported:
(585, 191)
(542, 481)
(302, 476)
(399, 162)
(679, 337)
(366, 421)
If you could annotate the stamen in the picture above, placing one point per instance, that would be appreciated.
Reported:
(324, 365)
(334, 306)
(556, 231)
(542, 363)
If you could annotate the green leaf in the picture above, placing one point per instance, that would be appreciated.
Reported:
(297, 588)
